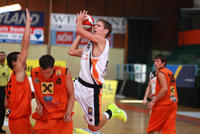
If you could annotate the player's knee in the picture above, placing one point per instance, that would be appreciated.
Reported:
(92, 128)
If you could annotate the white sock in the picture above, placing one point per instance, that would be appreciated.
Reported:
(107, 115)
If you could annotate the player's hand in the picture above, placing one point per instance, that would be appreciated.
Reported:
(81, 15)
(151, 104)
(67, 117)
(28, 17)
(39, 109)
(145, 102)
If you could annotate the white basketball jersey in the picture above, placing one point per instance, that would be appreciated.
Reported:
(153, 83)
(96, 67)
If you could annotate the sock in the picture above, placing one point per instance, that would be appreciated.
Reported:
(108, 114)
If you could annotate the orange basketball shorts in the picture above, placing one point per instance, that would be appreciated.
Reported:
(53, 126)
(20, 126)
(163, 118)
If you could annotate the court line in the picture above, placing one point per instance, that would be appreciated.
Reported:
(181, 118)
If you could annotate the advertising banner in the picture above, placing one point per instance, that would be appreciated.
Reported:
(12, 26)
(140, 72)
(184, 75)
(63, 28)
(109, 89)
(67, 37)
(68, 22)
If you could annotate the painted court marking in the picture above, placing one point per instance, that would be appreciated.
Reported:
(84, 131)
(190, 114)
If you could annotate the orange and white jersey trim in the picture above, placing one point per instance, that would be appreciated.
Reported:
(153, 83)
(97, 67)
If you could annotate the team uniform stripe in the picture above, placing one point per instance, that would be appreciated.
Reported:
(96, 106)
(95, 73)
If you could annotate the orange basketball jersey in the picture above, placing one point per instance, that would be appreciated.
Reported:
(51, 93)
(19, 97)
(171, 94)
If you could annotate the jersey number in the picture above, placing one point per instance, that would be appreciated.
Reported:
(172, 79)
(58, 81)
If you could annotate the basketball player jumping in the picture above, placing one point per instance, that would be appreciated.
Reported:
(94, 61)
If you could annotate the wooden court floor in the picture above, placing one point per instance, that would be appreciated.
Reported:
(137, 120)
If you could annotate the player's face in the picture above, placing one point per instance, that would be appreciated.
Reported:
(99, 27)
(158, 64)
(46, 73)
(2, 57)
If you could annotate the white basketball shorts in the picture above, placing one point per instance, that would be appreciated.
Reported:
(90, 101)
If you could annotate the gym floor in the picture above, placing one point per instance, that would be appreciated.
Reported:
(187, 122)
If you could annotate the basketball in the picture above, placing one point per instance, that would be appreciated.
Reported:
(88, 23)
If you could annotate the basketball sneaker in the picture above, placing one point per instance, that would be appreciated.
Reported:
(117, 112)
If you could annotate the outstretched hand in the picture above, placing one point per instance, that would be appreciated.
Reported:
(28, 17)
(81, 16)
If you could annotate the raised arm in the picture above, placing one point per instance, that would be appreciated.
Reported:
(74, 49)
(70, 103)
(84, 33)
(21, 60)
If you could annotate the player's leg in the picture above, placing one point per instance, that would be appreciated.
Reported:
(170, 125)
(102, 122)
(116, 112)
(85, 97)
(112, 112)
(20, 126)
(90, 101)
(157, 118)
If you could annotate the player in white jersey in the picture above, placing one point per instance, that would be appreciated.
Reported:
(97, 65)
(151, 88)
(94, 61)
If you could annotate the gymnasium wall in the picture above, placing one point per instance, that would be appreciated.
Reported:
(116, 56)
(165, 30)
(164, 35)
